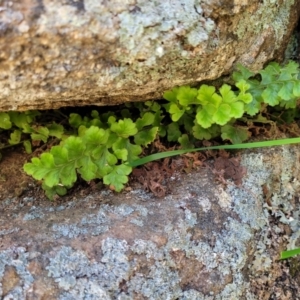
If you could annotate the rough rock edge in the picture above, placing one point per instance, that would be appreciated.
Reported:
(77, 274)
(117, 53)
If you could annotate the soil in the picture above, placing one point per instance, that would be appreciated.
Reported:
(16, 184)
(13, 180)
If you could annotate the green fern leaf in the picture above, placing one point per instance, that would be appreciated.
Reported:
(286, 91)
(27, 146)
(270, 73)
(20, 119)
(121, 154)
(124, 128)
(93, 137)
(75, 147)
(171, 95)
(173, 132)
(146, 120)
(75, 120)
(104, 160)
(146, 136)
(201, 133)
(5, 122)
(56, 130)
(235, 134)
(103, 153)
(15, 137)
(205, 114)
(228, 96)
(296, 89)
(292, 103)
(154, 106)
(241, 73)
(237, 109)
(222, 114)
(88, 168)
(292, 67)
(185, 143)
(243, 95)
(41, 134)
(60, 155)
(246, 98)
(65, 166)
(118, 177)
(205, 94)
(176, 112)
(43, 168)
(53, 191)
(270, 94)
(187, 95)
(133, 150)
(243, 86)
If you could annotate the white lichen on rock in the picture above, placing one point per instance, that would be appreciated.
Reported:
(139, 245)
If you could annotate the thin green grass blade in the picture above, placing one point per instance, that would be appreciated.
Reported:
(156, 156)
(289, 253)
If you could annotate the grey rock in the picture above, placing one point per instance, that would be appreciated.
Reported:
(203, 241)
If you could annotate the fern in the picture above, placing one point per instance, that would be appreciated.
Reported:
(21, 124)
(273, 86)
(105, 145)
(94, 153)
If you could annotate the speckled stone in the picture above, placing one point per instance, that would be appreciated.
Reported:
(203, 241)
(56, 53)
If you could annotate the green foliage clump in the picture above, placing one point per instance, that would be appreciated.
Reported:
(215, 111)
(277, 86)
(101, 149)
(106, 145)
(24, 124)
(90, 154)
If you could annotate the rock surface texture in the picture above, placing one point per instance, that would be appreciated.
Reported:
(57, 53)
(202, 242)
